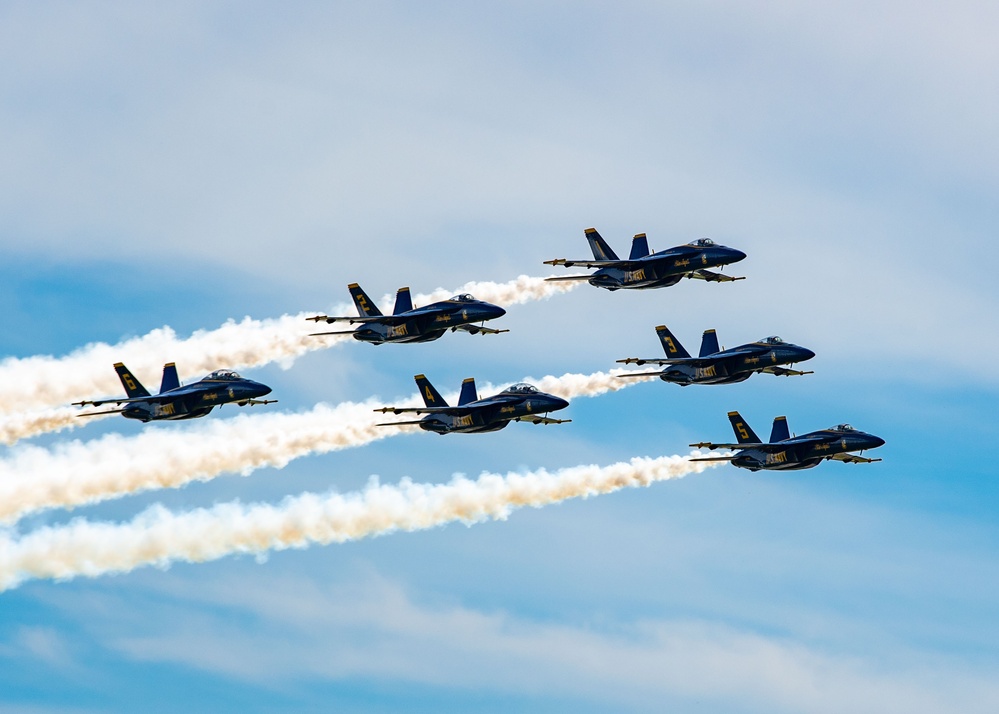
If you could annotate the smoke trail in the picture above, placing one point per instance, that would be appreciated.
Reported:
(32, 383)
(160, 537)
(76, 473)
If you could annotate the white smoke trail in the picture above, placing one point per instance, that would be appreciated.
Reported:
(160, 537)
(75, 473)
(30, 384)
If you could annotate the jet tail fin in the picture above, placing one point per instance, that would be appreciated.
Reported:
(431, 396)
(170, 378)
(601, 251)
(709, 343)
(639, 247)
(671, 345)
(744, 434)
(780, 432)
(133, 388)
(468, 393)
(365, 306)
(403, 301)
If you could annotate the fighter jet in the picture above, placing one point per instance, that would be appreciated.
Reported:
(521, 402)
(645, 270)
(409, 324)
(785, 453)
(714, 366)
(180, 402)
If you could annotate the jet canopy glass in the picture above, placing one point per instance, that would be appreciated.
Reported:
(522, 388)
(464, 297)
(223, 374)
(703, 242)
(843, 427)
(772, 340)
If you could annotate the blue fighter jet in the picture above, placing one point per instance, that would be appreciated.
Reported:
(645, 270)
(174, 401)
(409, 324)
(785, 453)
(715, 366)
(521, 402)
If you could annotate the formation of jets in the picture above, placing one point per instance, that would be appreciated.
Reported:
(523, 402)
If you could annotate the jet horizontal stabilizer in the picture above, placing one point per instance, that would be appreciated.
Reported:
(108, 411)
(400, 423)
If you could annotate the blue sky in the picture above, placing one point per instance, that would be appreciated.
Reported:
(186, 164)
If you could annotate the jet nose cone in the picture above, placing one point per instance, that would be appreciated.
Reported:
(261, 389)
(804, 353)
(559, 403)
(497, 311)
(735, 255)
(876, 441)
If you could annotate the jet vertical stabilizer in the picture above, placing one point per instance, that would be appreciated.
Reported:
(403, 301)
(780, 432)
(639, 247)
(671, 345)
(170, 378)
(468, 393)
(709, 343)
(431, 396)
(365, 306)
(601, 251)
(133, 388)
(743, 432)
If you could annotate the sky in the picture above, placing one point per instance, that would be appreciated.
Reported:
(187, 164)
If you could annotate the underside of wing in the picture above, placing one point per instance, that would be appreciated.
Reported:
(534, 419)
(712, 277)
(478, 329)
(784, 372)
(853, 459)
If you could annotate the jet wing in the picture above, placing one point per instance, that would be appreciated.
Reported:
(477, 329)
(453, 411)
(561, 278)
(712, 277)
(853, 459)
(383, 319)
(766, 446)
(534, 419)
(784, 372)
(152, 399)
(592, 263)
